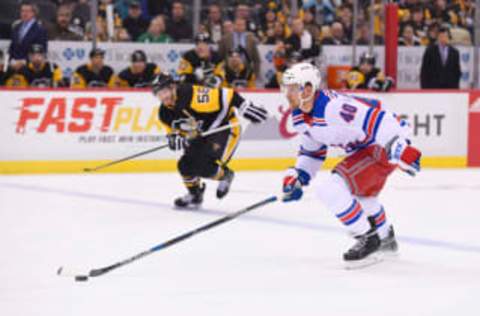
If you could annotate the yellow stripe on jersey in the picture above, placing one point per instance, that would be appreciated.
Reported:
(233, 139)
(205, 100)
(185, 67)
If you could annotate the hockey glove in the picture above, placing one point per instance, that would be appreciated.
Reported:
(292, 184)
(177, 141)
(405, 156)
(253, 113)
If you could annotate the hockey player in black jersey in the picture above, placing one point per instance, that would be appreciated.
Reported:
(95, 73)
(188, 110)
(367, 76)
(140, 73)
(38, 72)
(201, 65)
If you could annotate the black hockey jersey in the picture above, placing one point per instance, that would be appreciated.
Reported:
(209, 107)
(85, 77)
(127, 78)
(48, 75)
(245, 78)
(195, 70)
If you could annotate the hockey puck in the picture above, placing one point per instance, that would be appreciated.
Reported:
(81, 278)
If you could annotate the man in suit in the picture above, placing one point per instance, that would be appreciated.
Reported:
(441, 64)
(240, 37)
(26, 32)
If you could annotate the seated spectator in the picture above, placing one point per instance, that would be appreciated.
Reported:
(227, 27)
(238, 72)
(268, 26)
(140, 73)
(337, 36)
(432, 34)
(3, 65)
(367, 76)
(121, 35)
(281, 61)
(418, 22)
(302, 41)
(81, 15)
(38, 72)
(201, 65)
(460, 36)
(310, 25)
(408, 37)
(323, 11)
(95, 73)
(363, 37)
(441, 64)
(240, 37)
(178, 27)
(213, 25)
(25, 32)
(279, 33)
(242, 11)
(156, 32)
(102, 34)
(345, 16)
(62, 30)
(134, 23)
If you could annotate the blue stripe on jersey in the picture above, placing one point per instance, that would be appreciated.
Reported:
(319, 154)
(297, 117)
(319, 105)
(367, 118)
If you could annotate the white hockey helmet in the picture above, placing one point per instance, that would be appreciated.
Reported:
(302, 74)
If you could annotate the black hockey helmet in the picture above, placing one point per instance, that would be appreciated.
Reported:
(138, 56)
(161, 81)
(202, 38)
(36, 49)
(96, 52)
(368, 58)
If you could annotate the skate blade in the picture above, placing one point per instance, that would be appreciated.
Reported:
(365, 262)
(194, 207)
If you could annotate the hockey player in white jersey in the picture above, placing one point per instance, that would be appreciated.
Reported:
(376, 143)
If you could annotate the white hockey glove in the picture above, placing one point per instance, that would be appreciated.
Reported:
(405, 156)
(255, 114)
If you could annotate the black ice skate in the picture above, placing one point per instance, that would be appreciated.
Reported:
(364, 252)
(389, 244)
(225, 183)
(193, 199)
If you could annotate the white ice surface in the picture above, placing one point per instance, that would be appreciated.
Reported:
(283, 259)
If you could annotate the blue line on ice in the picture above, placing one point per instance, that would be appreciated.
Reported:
(317, 227)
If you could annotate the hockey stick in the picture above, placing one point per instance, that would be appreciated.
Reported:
(111, 163)
(101, 271)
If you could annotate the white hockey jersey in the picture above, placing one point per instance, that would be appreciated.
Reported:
(339, 120)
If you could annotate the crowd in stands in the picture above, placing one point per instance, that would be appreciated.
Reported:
(237, 27)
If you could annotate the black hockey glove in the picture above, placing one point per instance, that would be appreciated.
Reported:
(177, 141)
(253, 113)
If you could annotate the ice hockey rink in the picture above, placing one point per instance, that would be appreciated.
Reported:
(282, 259)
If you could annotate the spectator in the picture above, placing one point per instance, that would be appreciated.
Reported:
(26, 32)
(363, 37)
(268, 26)
(302, 41)
(159, 7)
(102, 35)
(227, 27)
(38, 72)
(345, 16)
(432, 34)
(156, 32)
(95, 73)
(337, 36)
(441, 64)
(240, 37)
(277, 34)
(201, 65)
(323, 11)
(81, 15)
(134, 23)
(3, 65)
(367, 76)
(408, 36)
(238, 73)
(61, 31)
(418, 22)
(310, 25)
(178, 28)
(140, 73)
(242, 11)
(213, 25)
